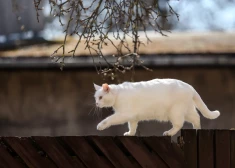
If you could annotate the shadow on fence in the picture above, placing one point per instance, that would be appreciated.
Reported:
(204, 148)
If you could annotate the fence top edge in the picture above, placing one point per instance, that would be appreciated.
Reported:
(107, 136)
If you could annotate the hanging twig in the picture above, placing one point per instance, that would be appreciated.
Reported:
(94, 23)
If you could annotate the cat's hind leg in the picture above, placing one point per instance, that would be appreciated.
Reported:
(176, 117)
(194, 118)
(132, 125)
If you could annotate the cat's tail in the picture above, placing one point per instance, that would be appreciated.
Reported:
(200, 105)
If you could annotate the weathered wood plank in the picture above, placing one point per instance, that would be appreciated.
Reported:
(85, 152)
(24, 148)
(57, 153)
(190, 147)
(222, 144)
(140, 153)
(172, 156)
(232, 149)
(112, 152)
(8, 161)
(178, 152)
(206, 148)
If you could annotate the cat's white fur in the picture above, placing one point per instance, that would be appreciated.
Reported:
(159, 99)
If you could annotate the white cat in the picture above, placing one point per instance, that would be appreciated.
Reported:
(159, 99)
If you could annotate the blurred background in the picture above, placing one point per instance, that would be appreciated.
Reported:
(37, 98)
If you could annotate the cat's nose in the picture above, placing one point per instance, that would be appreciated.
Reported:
(97, 104)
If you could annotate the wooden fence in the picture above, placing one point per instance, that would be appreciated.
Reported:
(204, 148)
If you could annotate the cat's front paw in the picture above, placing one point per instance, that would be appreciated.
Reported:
(167, 133)
(128, 134)
(101, 126)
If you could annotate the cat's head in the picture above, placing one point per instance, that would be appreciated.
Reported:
(104, 96)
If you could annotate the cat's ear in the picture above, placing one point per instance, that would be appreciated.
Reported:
(106, 87)
(97, 87)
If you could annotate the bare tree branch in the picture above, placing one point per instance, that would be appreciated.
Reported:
(93, 24)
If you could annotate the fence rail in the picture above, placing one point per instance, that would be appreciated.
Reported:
(204, 148)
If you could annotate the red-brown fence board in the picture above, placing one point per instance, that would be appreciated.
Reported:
(57, 152)
(8, 161)
(206, 149)
(112, 151)
(190, 148)
(142, 155)
(28, 153)
(86, 153)
(232, 149)
(222, 148)
(164, 149)
(195, 149)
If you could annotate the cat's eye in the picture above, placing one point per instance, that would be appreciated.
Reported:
(100, 97)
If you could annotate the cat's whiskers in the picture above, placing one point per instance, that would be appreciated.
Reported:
(94, 110)
(91, 110)
(94, 107)
(97, 111)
